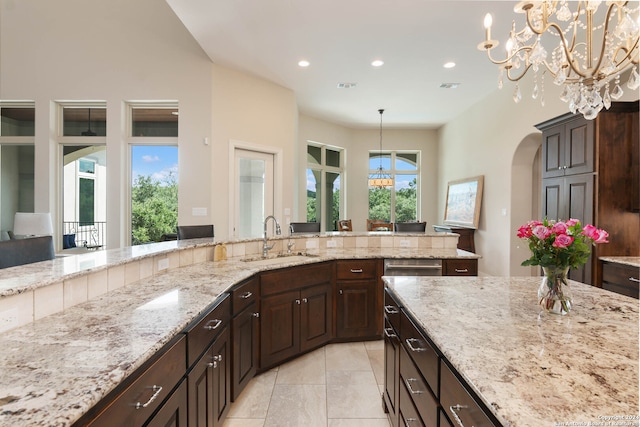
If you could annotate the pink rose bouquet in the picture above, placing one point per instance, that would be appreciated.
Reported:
(560, 244)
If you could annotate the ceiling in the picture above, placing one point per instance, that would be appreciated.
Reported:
(340, 39)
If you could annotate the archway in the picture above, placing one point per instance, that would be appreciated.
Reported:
(525, 199)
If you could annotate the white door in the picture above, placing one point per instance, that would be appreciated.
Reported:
(253, 191)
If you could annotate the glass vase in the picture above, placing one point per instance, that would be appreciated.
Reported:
(554, 293)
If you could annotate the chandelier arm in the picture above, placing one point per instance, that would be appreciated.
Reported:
(515, 79)
(508, 58)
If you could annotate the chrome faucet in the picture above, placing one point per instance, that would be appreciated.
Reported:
(265, 246)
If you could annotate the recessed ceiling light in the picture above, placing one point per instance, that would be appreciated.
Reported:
(304, 63)
(449, 85)
(346, 85)
(377, 63)
(449, 64)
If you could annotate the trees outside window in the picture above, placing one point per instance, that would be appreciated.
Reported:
(399, 203)
(324, 184)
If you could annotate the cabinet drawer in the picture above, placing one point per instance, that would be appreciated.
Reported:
(460, 267)
(408, 413)
(138, 401)
(204, 330)
(392, 310)
(295, 278)
(421, 352)
(621, 278)
(245, 294)
(418, 389)
(457, 402)
(356, 269)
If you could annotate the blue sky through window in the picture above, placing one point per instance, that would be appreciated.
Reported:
(157, 161)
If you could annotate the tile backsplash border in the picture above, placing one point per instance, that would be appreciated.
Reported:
(82, 284)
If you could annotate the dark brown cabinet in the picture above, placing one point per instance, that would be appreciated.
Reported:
(466, 241)
(358, 299)
(298, 319)
(420, 387)
(621, 278)
(135, 401)
(391, 395)
(589, 171)
(457, 402)
(244, 334)
(568, 147)
(209, 377)
(173, 412)
(210, 384)
(460, 267)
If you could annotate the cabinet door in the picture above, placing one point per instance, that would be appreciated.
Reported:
(552, 198)
(245, 348)
(553, 152)
(279, 328)
(391, 372)
(579, 197)
(221, 355)
(200, 383)
(173, 413)
(209, 384)
(356, 309)
(578, 146)
(316, 316)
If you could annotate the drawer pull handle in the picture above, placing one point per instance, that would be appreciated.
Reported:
(356, 270)
(256, 314)
(633, 279)
(409, 420)
(213, 324)
(298, 301)
(246, 295)
(304, 300)
(389, 333)
(156, 392)
(410, 342)
(408, 382)
(462, 270)
(391, 309)
(453, 410)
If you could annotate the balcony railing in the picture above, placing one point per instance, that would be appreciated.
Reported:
(90, 234)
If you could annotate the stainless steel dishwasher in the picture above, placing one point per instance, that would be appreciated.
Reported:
(412, 267)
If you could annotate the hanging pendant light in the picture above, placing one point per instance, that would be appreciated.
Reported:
(380, 179)
(89, 132)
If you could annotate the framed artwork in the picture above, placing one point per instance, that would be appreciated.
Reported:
(463, 202)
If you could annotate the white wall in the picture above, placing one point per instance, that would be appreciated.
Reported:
(113, 51)
(255, 112)
(483, 141)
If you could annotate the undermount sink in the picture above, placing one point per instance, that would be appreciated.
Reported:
(279, 258)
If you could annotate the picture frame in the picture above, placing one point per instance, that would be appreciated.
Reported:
(464, 198)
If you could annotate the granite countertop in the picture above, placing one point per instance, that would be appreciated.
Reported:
(56, 368)
(529, 367)
(633, 261)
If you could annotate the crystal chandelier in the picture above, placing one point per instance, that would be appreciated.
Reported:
(380, 179)
(585, 56)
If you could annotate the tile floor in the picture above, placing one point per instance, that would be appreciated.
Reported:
(338, 385)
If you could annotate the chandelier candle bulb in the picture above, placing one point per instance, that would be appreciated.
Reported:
(488, 20)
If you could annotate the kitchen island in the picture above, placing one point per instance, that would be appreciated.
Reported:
(528, 367)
